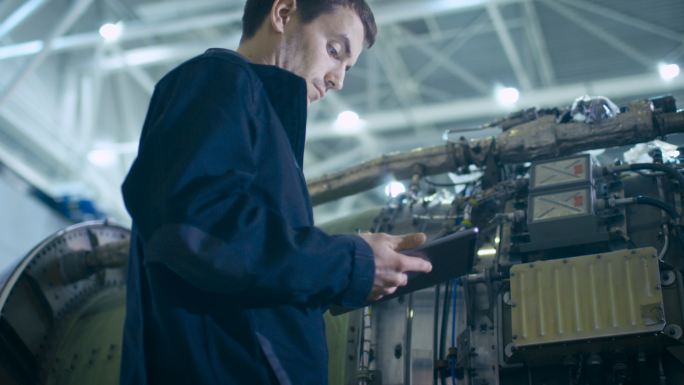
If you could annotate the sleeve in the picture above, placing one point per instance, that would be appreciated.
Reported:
(191, 195)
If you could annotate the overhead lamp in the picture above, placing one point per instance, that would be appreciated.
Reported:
(102, 157)
(486, 252)
(394, 189)
(348, 122)
(668, 71)
(111, 32)
(507, 96)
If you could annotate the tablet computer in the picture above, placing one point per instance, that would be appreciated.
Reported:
(451, 256)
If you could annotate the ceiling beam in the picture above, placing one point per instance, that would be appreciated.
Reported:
(600, 33)
(447, 63)
(486, 107)
(160, 53)
(609, 13)
(458, 40)
(66, 22)
(411, 10)
(132, 31)
(539, 47)
(160, 10)
(508, 46)
(385, 15)
(19, 16)
(176, 52)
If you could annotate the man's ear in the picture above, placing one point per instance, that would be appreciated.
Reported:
(281, 14)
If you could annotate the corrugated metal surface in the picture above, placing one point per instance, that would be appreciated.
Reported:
(585, 297)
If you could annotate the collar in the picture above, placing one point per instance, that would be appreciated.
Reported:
(287, 93)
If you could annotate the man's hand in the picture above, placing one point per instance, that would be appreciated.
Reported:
(390, 266)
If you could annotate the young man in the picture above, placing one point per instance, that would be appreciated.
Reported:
(228, 277)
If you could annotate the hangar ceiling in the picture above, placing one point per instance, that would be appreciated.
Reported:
(72, 103)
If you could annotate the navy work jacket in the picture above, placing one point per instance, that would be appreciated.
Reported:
(228, 278)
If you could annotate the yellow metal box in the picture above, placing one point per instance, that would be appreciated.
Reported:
(592, 296)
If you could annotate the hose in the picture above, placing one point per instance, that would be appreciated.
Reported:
(649, 166)
(666, 243)
(453, 332)
(443, 331)
(435, 337)
(644, 200)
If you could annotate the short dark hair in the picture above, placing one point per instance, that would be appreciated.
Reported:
(257, 10)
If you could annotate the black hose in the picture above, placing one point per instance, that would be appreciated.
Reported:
(644, 200)
(445, 321)
(435, 336)
(658, 167)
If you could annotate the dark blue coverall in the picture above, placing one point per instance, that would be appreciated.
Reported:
(228, 278)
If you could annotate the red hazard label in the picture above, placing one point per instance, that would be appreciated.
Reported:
(579, 169)
(579, 201)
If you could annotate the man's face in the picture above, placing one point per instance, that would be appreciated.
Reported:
(322, 50)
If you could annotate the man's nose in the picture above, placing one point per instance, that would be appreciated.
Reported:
(335, 79)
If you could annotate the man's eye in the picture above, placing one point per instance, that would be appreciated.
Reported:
(332, 51)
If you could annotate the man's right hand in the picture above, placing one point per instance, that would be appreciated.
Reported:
(390, 266)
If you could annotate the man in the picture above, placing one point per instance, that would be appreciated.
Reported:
(228, 277)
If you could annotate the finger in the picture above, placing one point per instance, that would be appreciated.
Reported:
(399, 279)
(414, 264)
(389, 290)
(410, 241)
(394, 240)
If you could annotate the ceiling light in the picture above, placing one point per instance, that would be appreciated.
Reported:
(668, 71)
(486, 252)
(102, 157)
(348, 122)
(394, 189)
(111, 32)
(507, 96)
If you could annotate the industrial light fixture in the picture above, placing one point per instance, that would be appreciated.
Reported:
(394, 189)
(668, 71)
(111, 32)
(486, 252)
(507, 96)
(348, 122)
(102, 157)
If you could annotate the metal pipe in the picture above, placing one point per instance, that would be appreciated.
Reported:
(542, 138)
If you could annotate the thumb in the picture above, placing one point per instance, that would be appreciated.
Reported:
(410, 241)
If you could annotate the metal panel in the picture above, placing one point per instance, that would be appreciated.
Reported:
(600, 295)
(560, 205)
(576, 169)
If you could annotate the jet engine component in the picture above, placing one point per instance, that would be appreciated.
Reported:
(535, 139)
(574, 299)
(61, 310)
